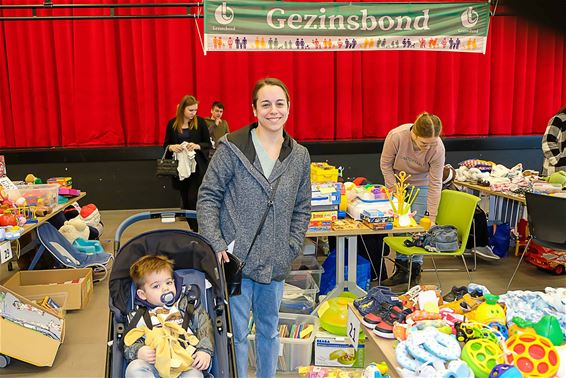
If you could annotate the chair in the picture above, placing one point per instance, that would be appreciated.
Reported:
(456, 209)
(546, 216)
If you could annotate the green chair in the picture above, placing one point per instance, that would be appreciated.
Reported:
(456, 209)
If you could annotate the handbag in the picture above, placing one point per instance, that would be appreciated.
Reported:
(233, 269)
(167, 167)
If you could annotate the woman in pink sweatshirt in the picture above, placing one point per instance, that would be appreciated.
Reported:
(418, 150)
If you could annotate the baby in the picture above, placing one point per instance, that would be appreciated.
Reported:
(162, 294)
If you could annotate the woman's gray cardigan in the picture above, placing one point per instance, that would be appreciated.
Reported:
(234, 195)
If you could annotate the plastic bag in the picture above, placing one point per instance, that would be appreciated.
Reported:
(499, 238)
(328, 280)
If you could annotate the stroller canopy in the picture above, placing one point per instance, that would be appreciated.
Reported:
(187, 249)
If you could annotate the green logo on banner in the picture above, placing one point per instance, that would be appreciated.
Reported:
(234, 24)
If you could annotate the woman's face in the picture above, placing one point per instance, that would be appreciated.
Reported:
(190, 111)
(423, 143)
(272, 108)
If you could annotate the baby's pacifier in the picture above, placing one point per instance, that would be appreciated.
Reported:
(168, 299)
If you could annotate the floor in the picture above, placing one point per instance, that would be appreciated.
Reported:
(83, 354)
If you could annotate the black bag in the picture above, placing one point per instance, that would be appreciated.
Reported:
(233, 273)
(167, 167)
(480, 230)
(233, 269)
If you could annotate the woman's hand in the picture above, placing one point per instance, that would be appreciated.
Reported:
(201, 360)
(175, 148)
(147, 354)
(222, 256)
(192, 147)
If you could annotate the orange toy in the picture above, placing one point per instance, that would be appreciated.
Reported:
(534, 355)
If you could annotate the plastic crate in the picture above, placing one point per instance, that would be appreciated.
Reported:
(300, 294)
(293, 352)
(307, 264)
(38, 194)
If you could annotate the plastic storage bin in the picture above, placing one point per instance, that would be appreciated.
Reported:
(307, 264)
(294, 352)
(323, 172)
(43, 194)
(299, 295)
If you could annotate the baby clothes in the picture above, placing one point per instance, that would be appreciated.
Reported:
(187, 162)
(531, 306)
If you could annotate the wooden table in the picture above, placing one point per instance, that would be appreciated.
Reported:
(352, 236)
(487, 191)
(28, 240)
(378, 349)
(56, 210)
(503, 206)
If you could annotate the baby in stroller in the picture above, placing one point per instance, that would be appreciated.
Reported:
(163, 301)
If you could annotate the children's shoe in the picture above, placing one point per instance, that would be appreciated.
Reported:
(455, 294)
(371, 320)
(372, 303)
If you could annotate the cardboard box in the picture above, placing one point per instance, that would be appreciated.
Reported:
(77, 283)
(26, 344)
(334, 350)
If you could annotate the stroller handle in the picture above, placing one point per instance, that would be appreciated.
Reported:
(164, 215)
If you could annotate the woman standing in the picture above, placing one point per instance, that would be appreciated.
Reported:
(188, 133)
(418, 150)
(258, 173)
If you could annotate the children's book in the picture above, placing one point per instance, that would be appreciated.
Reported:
(14, 310)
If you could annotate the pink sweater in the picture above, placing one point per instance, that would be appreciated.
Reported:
(425, 167)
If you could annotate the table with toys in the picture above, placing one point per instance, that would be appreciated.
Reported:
(466, 333)
(27, 238)
(349, 230)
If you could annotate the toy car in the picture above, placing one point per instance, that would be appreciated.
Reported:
(546, 258)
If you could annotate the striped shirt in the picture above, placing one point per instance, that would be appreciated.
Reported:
(554, 144)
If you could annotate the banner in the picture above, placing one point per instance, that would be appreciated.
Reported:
(259, 25)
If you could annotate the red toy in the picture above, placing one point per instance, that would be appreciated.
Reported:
(546, 258)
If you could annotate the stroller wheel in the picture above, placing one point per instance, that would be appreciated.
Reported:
(4, 361)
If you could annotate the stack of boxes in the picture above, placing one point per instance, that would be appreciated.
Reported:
(325, 196)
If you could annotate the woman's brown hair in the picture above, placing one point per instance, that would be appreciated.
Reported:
(268, 81)
(427, 126)
(187, 100)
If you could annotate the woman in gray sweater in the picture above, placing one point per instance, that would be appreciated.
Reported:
(258, 173)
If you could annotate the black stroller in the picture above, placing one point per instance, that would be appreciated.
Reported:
(195, 261)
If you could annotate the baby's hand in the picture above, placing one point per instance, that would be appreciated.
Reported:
(201, 360)
(147, 354)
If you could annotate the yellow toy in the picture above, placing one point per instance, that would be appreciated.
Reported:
(405, 198)
(174, 354)
(489, 311)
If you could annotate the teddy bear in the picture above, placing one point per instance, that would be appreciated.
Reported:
(75, 228)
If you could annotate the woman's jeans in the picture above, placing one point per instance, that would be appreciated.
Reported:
(142, 369)
(264, 301)
(420, 206)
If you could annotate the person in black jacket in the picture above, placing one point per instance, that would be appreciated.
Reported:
(190, 128)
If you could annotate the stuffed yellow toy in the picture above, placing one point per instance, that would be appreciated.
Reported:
(173, 355)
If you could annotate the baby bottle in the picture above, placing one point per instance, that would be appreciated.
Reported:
(425, 221)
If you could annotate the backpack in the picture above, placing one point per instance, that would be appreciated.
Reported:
(480, 230)
(438, 239)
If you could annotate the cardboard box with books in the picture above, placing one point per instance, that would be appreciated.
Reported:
(77, 283)
(28, 332)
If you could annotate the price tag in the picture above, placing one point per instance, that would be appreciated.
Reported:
(5, 252)
(353, 328)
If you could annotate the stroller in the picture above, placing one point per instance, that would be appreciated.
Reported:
(195, 262)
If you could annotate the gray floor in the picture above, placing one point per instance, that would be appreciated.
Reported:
(83, 354)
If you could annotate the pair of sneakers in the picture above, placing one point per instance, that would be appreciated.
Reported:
(373, 299)
(381, 321)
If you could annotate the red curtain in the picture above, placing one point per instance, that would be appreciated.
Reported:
(117, 82)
